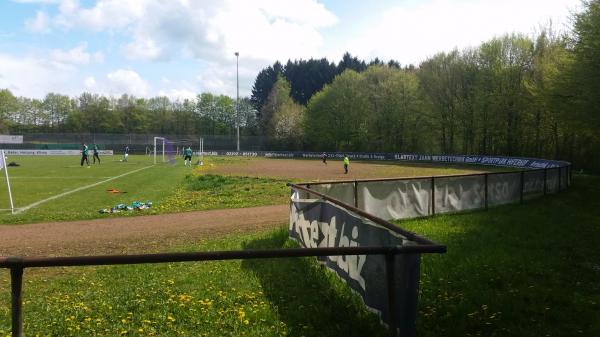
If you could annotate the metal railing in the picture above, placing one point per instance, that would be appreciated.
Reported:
(17, 265)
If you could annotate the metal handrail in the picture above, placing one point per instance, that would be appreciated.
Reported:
(18, 264)
(98, 260)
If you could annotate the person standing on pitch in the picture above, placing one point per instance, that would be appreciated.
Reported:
(84, 155)
(346, 163)
(324, 158)
(126, 153)
(96, 154)
(187, 155)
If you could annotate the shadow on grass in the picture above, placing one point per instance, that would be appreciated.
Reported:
(309, 299)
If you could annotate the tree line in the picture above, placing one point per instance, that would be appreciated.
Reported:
(208, 114)
(515, 95)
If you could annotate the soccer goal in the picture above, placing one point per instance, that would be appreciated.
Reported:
(159, 141)
(166, 150)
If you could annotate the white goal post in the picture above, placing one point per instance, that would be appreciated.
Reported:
(159, 148)
(162, 141)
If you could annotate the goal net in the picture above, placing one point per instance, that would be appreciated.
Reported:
(167, 150)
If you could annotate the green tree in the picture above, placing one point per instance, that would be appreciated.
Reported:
(8, 106)
(160, 113)
(350, 62)
(334, 116)
(586, 68)
(263, 84)
(439, 78)
(57, 107)
(133, 114)
(285, 125)
(395, 116)
(308, 77)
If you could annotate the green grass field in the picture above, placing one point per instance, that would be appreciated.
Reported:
(171, 188)
(231, 298)
(168, 187)
(519, 270)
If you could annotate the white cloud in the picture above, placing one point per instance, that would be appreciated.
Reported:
(42, 72)
(142, 48)
(75, 56)
(34, 77)
(268, 33)
(411, 32)
(104, 15)
(127, 81)
(68, 6)
(178, 94)
(305, 12)
(90, 82)
(210, 30)
(39, 24)
(37, 1)
(221, 78)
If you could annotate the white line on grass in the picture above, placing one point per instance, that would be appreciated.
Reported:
(23, 209)
(57, 177)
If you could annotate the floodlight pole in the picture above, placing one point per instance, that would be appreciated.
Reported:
(237, 99)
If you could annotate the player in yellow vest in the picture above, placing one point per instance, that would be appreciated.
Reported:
(346, 164)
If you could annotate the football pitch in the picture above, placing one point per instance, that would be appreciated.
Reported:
(58, 188)
(49, 187)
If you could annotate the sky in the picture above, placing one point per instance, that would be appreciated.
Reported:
(180, 48)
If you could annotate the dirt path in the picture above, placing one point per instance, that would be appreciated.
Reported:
(158, 232)
(315, 170)
(140, 234)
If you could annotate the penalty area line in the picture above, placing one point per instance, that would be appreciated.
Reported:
(23, 209)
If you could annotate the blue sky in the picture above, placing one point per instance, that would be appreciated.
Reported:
(180, 48)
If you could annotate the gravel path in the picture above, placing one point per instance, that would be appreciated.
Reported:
(140, 234)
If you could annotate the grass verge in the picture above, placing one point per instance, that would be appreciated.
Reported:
(209, 191)
(273, 297)
(520, 270)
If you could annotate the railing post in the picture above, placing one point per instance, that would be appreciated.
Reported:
(545, 180)
(356, 194)
(432, 195)
(393, 315)
(522, 186)
(570, 174)
(559, 178)
(16, 286)
(486, 191)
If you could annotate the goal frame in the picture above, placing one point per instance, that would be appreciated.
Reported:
(162, 140)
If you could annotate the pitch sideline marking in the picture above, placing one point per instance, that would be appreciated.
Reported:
(23, 209)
